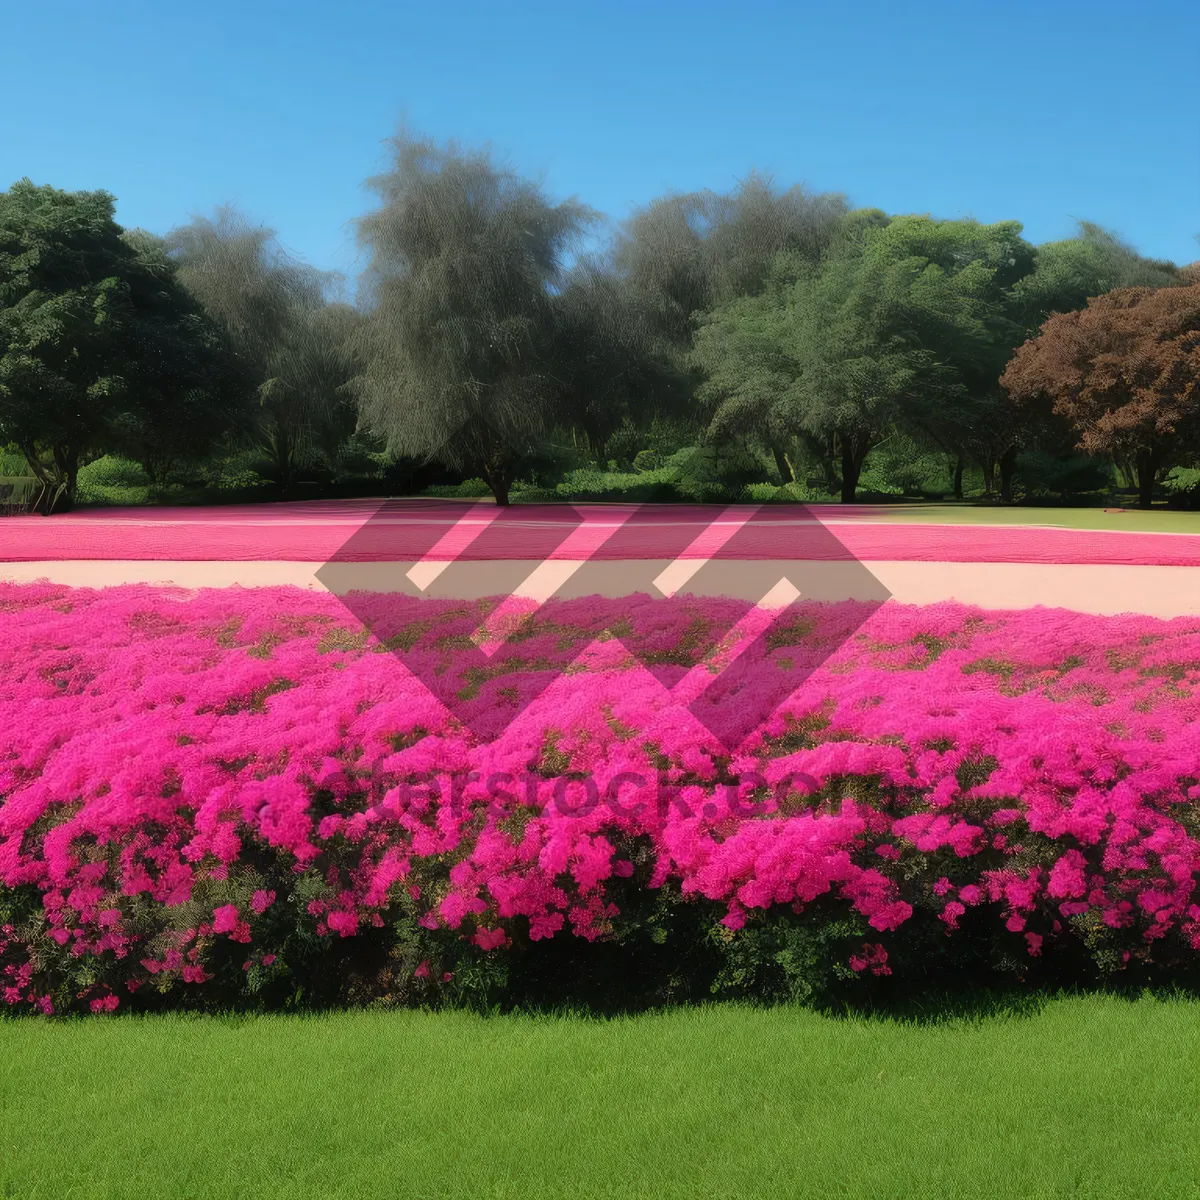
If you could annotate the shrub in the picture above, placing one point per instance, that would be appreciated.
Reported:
(113, 480)
(468, 489)
(245, 798)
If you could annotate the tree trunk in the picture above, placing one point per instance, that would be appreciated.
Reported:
(786, 474)
(958, 477)
(854, 454)
(989, 476)
(499, 480)
(58, 478)
(1008, 468)
(1147, 466)
(821, 450)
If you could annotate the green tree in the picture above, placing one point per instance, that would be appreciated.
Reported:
(1068, 273)
(961, 308)
(612, 368)
(187, 389)
(458, 350)
(685, 254)
(900, 325)
(99, 346)
(292, 346)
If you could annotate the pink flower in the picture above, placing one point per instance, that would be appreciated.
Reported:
(422, 972)
(343, 923)
(225, 918)
(104, 1003)
(490, 939)
(262, 900)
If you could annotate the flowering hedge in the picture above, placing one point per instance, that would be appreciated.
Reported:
(234, 797)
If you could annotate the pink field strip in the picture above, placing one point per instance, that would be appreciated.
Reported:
(404, 531)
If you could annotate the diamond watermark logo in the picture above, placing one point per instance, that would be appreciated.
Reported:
(487, 607)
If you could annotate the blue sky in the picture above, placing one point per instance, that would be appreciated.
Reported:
(1041, 112)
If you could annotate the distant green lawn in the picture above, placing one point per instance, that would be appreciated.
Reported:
(1157, 520)
(1088, 1097)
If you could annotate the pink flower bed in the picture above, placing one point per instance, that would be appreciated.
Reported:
(192, 781)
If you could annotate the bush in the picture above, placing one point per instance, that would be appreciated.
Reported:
(1182, 487)
(1041, 474)
(901, 467)
(468, 489)
(242, 799)
(113, 480)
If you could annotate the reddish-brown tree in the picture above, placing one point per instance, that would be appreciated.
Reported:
(1125, 372)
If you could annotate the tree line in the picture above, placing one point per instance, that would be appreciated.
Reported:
(483, 327)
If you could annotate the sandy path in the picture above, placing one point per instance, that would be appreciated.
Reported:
(1100, 589)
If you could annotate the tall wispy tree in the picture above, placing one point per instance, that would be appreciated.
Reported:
(687, 253)
(186, 388)
(292, 343)
(612, 367)
(459, 344)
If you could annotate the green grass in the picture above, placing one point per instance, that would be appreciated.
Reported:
(1084, 1097)
(1156, 520)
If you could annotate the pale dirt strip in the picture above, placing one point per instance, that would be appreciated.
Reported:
(1099, 589)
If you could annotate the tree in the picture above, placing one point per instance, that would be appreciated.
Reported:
(458, 348)
(896, 327)
(611, 366)
(288, 341)
(96, 338)
(1067, 274)
(685, 254)
(186, 388)
(961, 309)
(1125, 371)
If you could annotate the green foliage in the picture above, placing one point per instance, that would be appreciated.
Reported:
(1069, 273)
(458, 348)
(114, 480)
(468, 489)
(292, 350)
(99, 346)
(1041, 473)
(886, 331)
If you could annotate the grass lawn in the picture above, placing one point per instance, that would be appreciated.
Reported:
(1156, 520)
(1087, 1096)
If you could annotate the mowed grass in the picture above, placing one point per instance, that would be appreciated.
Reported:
(1087, 1096)
(1156, 520)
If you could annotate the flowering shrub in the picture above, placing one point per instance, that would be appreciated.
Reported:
(243, 796)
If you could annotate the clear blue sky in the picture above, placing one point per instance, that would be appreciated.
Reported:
(1037, 111)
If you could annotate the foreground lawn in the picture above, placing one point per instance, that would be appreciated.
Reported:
(1086, 1097)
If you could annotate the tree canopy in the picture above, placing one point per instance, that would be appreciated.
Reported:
(459, 342)
(902, 323)
(1125, 372)
(291, 345)
(99, 345)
